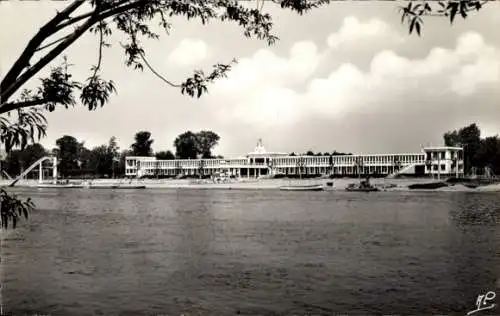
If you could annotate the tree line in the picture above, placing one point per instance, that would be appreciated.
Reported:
(478, 152)
(107, 160)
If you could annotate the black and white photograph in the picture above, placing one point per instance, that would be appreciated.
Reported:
(249, 157)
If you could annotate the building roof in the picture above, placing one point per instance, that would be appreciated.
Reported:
(442, 148)
(260, 150)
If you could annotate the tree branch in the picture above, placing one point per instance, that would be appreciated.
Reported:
(103, 15)
(45, 60)
(101, 44)
(156, 73)
(10, 84)
(52, 43)
(9, 106)
(23, 61)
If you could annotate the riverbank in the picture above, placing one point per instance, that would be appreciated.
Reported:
(338, 184)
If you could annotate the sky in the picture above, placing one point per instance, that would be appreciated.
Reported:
(345, 77)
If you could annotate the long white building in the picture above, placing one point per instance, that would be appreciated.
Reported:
(431, 160)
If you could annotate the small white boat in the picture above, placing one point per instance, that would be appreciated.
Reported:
(116, 186)
(59, 186)
(307, 187)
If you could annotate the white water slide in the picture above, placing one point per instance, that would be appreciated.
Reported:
(33, 166)
(402, 170)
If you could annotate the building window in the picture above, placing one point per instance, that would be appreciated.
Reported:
(435, 167)
(443, 167)
(443, 155)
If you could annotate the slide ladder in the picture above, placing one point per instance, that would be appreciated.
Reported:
(6, 174)
(30, 168)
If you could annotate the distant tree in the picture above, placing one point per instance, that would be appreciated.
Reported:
(113, 154)
(68, 154)
(292, 154)
(309, 153)
(206, 141)
(186, 146)
(165, 155)
(336, 153)
(18, 160)
(32, 153)
(319, 154)
(189, 145)
(469, 138)
(488, 154)
(14, 163)
(99, 160)
(452, 139)
(83, 156)
(142, 145)
(122, 161)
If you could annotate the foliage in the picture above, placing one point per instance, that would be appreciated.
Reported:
(186, 146)
(142, 144)
(189, 145)
(121, 163)
(18, 160)
(31, 125)
(12, 208)
(468, 137)
(478, 152)
(165, 155)
(414, 12)
(206, 140)
(68, 154)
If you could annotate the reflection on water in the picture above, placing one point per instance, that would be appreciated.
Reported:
(207, 252)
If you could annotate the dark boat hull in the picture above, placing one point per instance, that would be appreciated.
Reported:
(428, 186)
(362, 189)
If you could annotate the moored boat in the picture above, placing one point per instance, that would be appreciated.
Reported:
(116, 186)
(102, 186)
(59, 186)
(130, 186)
(428, 185)
(309, 187)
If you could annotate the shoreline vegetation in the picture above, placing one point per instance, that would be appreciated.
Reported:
(339, 184)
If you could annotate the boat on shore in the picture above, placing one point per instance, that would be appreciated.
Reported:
(115, 186)
(306, 187)
(428, 185)
(130, 186)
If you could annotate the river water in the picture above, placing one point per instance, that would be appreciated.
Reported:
(227, 252)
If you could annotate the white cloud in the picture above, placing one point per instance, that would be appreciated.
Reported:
(189, 52)
(260, 90)
(354, 31)
(265, 69)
